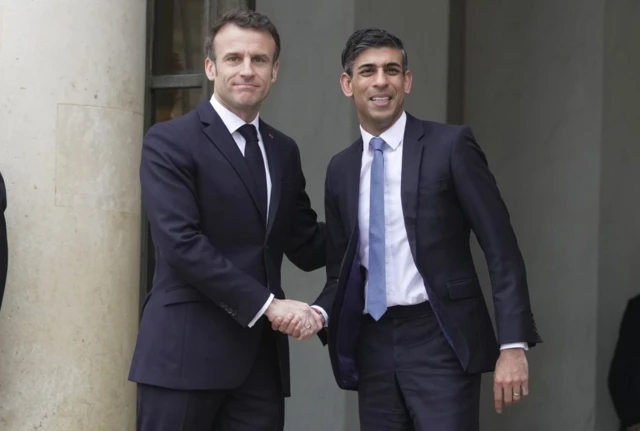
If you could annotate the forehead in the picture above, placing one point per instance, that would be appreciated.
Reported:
(378, 56)
(232, 38)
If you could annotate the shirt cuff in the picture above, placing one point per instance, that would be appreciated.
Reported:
(524, 346)
(261, 312)
(324, 314)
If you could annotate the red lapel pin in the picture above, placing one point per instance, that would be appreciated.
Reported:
(270, 135)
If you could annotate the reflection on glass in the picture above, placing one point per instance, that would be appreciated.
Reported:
(178, 37)
(173, 102)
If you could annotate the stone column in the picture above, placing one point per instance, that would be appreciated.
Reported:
(71, 124)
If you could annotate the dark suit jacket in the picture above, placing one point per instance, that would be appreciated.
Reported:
(624, 374)
(4, 252)
(447, 191)
(216, 260)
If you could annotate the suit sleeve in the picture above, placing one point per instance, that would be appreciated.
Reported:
(337, 241)
(307, 242)
(4, 251)
(170, 198)
(624, 374)
(488, 216)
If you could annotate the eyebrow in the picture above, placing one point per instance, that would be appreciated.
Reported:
(238, 54)
(369, 65)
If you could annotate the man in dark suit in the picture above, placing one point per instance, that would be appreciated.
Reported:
(409, 328)
(624, 374)
(225, 196)
(4, 252)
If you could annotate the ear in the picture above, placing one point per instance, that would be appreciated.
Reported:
(274, 71)
(408, 80)
(210, 69)
(345, 84)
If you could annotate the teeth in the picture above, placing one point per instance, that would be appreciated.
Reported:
(379, 99)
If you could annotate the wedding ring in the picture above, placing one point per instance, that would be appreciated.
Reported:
(516, 395)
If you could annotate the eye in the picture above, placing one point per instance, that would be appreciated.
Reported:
(366, 72)
(233, 58)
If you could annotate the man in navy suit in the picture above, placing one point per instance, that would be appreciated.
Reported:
(408, 326)
(225, 196)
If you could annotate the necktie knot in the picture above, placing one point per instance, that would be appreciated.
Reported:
(249, 133)
(377, 144)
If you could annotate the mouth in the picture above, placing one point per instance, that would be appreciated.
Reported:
(381, 100)
(245, 86)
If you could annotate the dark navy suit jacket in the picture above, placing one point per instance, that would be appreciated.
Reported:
(217, 260)
(447, 191)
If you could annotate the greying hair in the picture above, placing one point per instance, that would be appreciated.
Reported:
(243, 18)
(370, 38)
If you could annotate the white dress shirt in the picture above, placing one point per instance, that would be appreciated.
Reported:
(233, 123)
(405, 285)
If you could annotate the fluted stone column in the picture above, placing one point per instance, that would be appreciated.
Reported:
(71, 124)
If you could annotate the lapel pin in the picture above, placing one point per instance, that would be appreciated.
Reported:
(270, 135)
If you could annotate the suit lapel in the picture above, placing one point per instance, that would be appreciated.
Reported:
(411, 160)
(352, 177)
(271, 149)
(218, 133)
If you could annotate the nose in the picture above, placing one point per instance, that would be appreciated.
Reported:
(247, 68)
(380, 79)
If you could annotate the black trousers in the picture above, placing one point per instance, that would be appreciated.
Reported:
(410, 378)
(257, 405)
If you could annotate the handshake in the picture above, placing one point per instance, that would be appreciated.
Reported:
(294, 318)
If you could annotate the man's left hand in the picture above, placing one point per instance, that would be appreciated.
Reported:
(511, 378)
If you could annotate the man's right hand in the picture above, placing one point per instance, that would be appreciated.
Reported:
(294, 318)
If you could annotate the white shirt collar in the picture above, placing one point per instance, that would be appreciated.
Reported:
(392, 136)
(231, 120)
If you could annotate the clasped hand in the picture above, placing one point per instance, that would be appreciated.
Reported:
(294, 318)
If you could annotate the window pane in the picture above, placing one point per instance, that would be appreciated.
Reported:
(178, 37)
(172, 103)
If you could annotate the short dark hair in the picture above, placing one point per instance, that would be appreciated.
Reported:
(243, 18)
(370, 38)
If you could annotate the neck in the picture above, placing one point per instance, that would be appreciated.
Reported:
(248, 114)
(377, 129)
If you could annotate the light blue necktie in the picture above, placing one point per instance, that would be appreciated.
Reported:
(377, 289)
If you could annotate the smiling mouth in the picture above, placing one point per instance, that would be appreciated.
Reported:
(381, 100)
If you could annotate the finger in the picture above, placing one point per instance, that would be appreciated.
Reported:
(507, 389)
(286, 321)
(497, 398)
(275, 325)
(525, 388)
(294, 326)
(517, 392)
